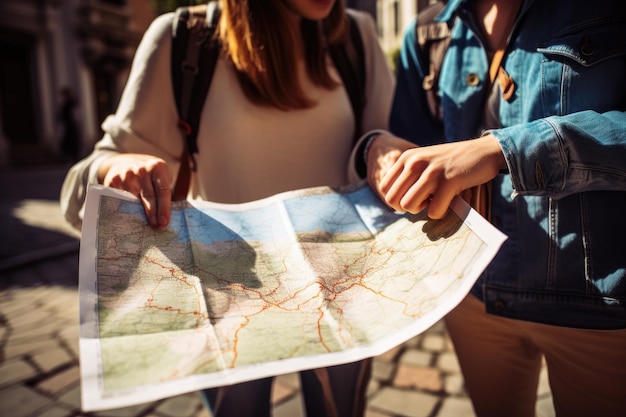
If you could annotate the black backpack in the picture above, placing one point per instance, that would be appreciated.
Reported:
(194, 56)
(433, 39)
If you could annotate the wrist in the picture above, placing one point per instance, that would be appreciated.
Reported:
(496, 152)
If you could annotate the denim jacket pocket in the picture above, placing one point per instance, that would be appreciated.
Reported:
(583, 68)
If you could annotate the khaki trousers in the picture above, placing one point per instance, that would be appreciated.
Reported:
(501, 358)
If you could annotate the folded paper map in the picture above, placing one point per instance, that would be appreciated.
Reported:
(230, 293)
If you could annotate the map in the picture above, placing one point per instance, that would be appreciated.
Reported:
(230, 293)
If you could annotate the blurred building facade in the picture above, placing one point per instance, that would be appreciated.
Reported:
(86, 47)
(392, 18)
(47, 46)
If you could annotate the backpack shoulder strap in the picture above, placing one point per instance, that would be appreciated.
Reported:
(194, 56)
(349, 59)
(433, 39)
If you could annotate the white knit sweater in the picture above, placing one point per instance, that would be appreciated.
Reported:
(246, 152)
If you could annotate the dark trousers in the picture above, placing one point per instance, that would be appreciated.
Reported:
(345, 384)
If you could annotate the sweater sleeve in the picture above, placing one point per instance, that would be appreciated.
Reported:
(144, 122)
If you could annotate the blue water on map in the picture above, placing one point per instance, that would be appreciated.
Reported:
(359, 211)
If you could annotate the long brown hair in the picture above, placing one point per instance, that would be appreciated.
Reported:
(254, 36)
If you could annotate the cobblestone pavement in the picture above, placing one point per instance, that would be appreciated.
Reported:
(39, 367)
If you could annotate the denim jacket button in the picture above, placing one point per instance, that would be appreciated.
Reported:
(472, 79)
(499, 306)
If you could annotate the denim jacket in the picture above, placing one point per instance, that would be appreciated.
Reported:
(562, 201)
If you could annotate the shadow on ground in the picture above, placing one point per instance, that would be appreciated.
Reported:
(33, 228)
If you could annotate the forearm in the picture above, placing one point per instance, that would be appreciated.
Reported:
(74, 189)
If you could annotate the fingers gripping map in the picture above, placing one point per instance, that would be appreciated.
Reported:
(230, 293)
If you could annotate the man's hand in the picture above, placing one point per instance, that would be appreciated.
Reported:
(145, 176)
(433, 175)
